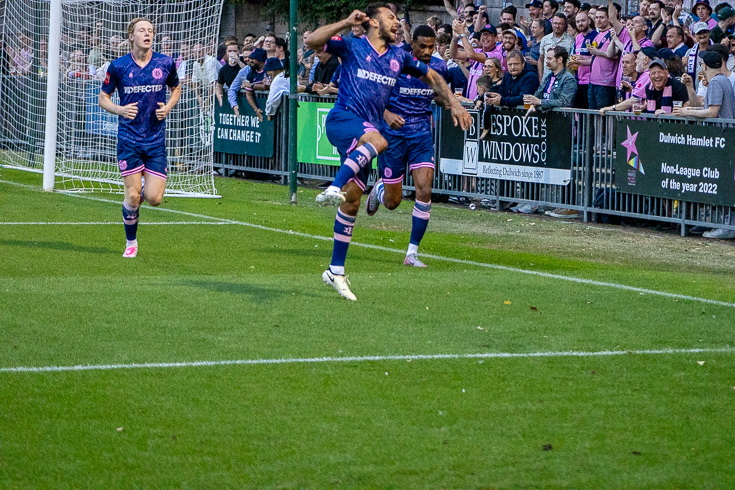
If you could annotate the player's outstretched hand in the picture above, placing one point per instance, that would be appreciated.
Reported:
(129, 111)
(161, 112)
(461, 117)
(357, 17)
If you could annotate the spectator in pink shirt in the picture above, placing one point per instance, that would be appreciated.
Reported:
(604, 66)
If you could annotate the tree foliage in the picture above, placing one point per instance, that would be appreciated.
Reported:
(313, 13)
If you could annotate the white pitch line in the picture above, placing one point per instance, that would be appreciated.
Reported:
(435, 257)
(317, 360)
(116, 223)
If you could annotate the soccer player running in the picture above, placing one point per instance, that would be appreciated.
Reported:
(407, 130)
(141, 78)
(370, 68)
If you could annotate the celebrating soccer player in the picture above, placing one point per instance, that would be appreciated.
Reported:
(370, 68)
(141, 78)
(407, 129)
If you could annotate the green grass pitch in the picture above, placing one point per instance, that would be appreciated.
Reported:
(532, 353)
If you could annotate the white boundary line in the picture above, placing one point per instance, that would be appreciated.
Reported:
(318, 360)
(116, 223)
(435, 257)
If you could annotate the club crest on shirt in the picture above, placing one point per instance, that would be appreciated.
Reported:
(394, 65)
(157, 73)
(123, 164)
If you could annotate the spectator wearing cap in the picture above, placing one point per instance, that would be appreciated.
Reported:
(254, 80)
(703, 11)
(581, 58)
(726, 18)
(696, 99)
(691, 59)
(716, 89)
(673, 62)
(280, 84)
(517, 82)
(535, 9)
(643, 59)
(517, 41)
(558, 37)
(477, 57)
(718, 102)
(663, 90)
(536, 12)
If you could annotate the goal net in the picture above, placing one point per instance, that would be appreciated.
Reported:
(92, 34)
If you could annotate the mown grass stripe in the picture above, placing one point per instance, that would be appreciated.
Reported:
(559, 277)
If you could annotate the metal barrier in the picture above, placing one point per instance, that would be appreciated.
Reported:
(591, 191)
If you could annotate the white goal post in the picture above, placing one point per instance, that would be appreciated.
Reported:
(55, 54)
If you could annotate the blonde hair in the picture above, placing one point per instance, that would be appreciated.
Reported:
(131, 25)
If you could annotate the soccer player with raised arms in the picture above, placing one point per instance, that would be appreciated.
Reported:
(141, 78)
(370, 68)
(407, 128)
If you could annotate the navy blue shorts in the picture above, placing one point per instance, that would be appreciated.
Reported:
(414, 152)
(344, 130)
(150, 159)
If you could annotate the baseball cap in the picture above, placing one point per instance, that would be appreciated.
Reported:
(489, 28)
(698, 27)
(650, 51)
(519, 36)
(711, 59)
(259, 54)
(725, 13)
(659, 62)
(535, 3)
(666, 54)
(272, 64)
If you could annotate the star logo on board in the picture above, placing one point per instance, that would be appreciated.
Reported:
(630, 145)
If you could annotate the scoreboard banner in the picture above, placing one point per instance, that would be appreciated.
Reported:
(684, 162)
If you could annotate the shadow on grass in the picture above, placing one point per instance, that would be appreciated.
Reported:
(64, 246)
(256, 292)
